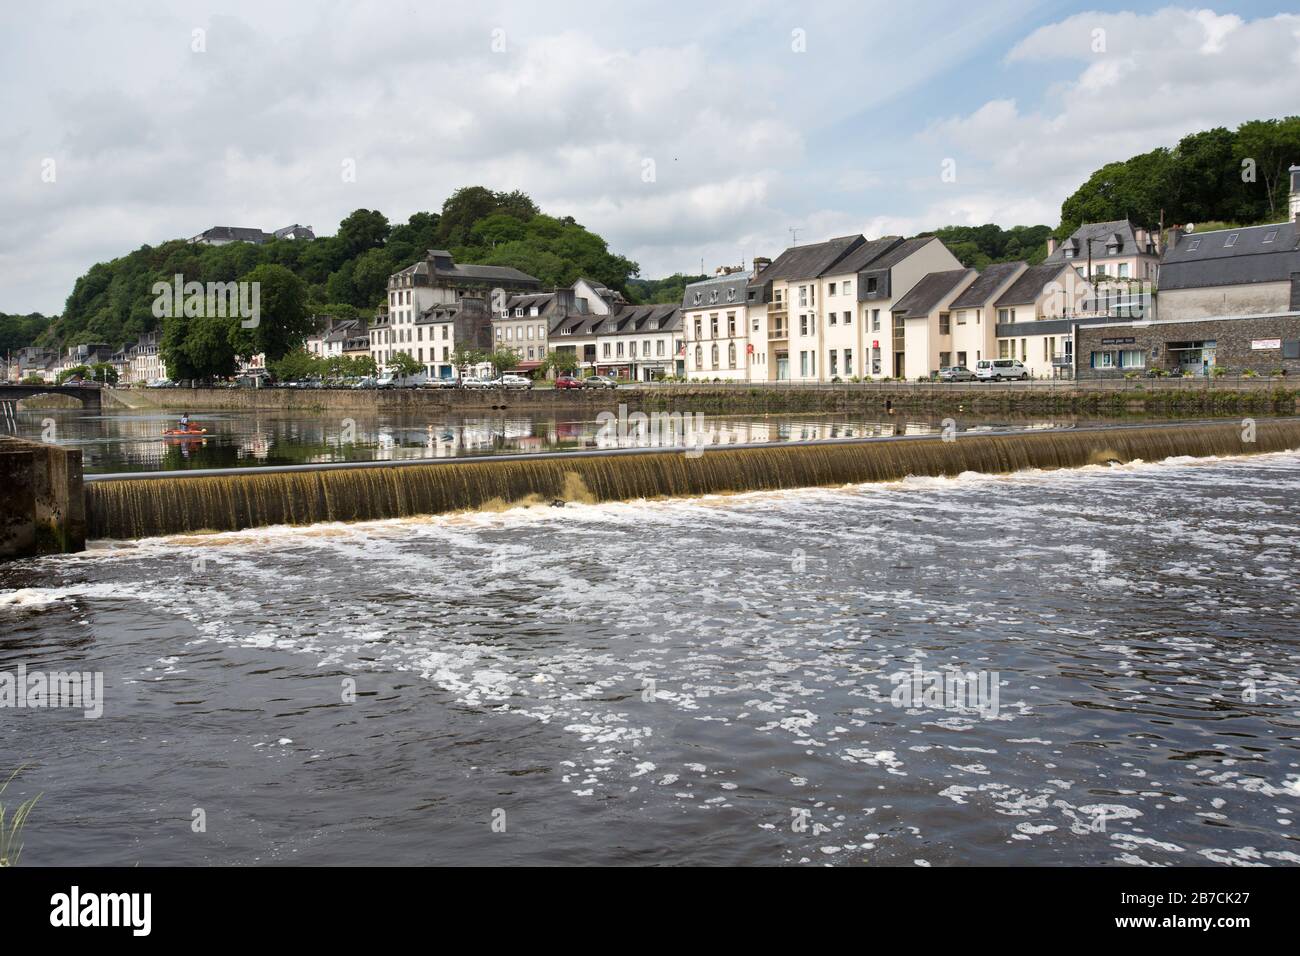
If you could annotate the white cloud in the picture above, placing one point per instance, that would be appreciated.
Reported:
(1162, 75)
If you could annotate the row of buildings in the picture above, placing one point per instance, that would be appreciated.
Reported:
(140, 361)
(1111, 299)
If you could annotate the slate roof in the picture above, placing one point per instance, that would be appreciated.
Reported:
(989, 281)
(1105, 235)
(472, 273)
(629, 320)
(866, 254)
(807, 262)
(923, 297)
(717, 291)
(899, 252)
(1027, 289)
(1204, 259)
(234, 234)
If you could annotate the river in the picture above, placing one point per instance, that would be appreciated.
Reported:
(120, 442)
(709, 681)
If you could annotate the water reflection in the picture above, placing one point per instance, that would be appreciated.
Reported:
(125, 442)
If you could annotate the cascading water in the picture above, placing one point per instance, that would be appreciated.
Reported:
(145, 507)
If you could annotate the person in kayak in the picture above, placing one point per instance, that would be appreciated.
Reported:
(184, 422)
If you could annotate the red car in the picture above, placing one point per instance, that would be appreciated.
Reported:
(568, 381)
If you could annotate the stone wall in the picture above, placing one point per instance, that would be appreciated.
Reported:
(1233, 338)
(42, 509)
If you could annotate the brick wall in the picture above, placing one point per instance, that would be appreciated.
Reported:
(1233, 338)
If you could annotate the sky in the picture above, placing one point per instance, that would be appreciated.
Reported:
(686, 134)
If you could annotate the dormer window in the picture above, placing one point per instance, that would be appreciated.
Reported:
(698, 298)
(731, 295)
(713, 296)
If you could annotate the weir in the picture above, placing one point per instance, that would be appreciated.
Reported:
(125, 506)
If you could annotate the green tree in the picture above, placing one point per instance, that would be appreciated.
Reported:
(363, 229)
(295, 366)
(1273, 145)
(463, 359)
(560, 362)
(503, 360)
(284, 321)
(403, 365)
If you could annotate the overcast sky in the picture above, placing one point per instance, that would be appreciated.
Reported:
(831, 118)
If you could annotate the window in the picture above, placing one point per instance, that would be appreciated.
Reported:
(731, 324)
(699, 356)
(1270, 235)
(848, 318)
(835, 362)
(871, 286)
(848, 361)
(945, 323)
(1103, 360)
(1100, 269)
(713, 325)
(731, 355)
(831, 320)
(1006, 315)
(755, 323)
(875, 320)
(1231, 240)
(632, 347)
(847, 288)
(659, 348)
(698, 297)
(961, 320)
(803, 295)
(831, 289)
(803, 364)
(699, 334)
(619, 350)
(1121, 270)
(714, 355)
(1192, 247)
(605, 350)
(803, 324)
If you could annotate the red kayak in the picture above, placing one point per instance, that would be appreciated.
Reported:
(185, 433)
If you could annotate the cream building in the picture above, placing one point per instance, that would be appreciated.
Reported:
(973, 317)
(1033, 317)
(926, 313)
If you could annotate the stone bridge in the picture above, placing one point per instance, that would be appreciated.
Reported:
(88, 395)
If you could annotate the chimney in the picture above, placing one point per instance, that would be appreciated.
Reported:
(1051, 244)
(565, 302)
(1295, 193)
(761, 263)
(1175, 233)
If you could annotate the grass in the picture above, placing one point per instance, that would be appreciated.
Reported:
(11, 828)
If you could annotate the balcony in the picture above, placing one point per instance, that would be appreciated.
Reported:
(777, 331)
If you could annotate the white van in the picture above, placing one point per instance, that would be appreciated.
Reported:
(996, 370)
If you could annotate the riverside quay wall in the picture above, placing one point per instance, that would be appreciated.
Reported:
(1181, 397)
(42, 502)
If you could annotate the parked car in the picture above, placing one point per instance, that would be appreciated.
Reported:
(599, 381)
(441, 383)
(997, 370)
(568, 381)
(386, 381)
(956, 373)
(474, 381)
(515, 381)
